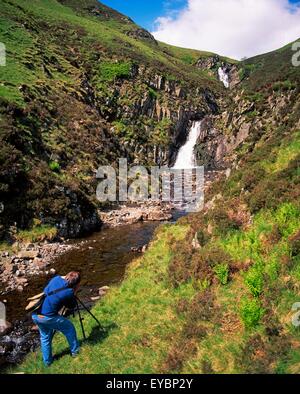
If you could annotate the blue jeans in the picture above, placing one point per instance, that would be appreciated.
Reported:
(47, 327)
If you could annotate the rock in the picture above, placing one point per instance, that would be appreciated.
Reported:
(22, 281)
(6, 347)
(52, 271)
(29, 246)
(5, 329)
(207, 63)
(103, 290)
(20, 288)
(228, 172)
(136, 249)
(158, 215)
(144, 248)
(19, 273)
(95, 298)
(210, 229)
(28, 254)
(195, 243)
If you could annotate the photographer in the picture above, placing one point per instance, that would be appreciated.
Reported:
(59, 293)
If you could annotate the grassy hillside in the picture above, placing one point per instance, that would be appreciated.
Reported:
(272, 70)
(80, 90)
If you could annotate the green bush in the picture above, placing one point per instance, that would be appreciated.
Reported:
(222, 273)
(110, 71)
(254, 281)
(54, 166)
(153, 94)
(283, 85)
(251, 312)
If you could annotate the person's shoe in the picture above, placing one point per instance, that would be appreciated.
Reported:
(75, 355)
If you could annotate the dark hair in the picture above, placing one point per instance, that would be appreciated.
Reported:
(73, 278)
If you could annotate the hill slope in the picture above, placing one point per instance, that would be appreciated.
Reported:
(82, 87)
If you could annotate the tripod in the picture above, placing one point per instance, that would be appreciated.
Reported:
(78, 301)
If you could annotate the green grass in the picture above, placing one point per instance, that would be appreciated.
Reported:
(109, 71)
(37, 233)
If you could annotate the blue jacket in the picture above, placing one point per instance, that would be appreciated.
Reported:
(53, 303)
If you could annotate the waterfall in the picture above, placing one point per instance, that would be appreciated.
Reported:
(223, 76)
(186, 157)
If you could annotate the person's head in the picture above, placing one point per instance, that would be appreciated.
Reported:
(73, 279)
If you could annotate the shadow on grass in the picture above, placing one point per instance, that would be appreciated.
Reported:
(97, 335)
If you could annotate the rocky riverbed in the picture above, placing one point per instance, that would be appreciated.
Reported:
(146, 212)
(30, 260)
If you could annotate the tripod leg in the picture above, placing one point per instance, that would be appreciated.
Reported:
(81, 323)
(93, 316)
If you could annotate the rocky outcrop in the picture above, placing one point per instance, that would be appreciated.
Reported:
(147, 212)
(208, 63)
(245, 119)
(214, 147)
(213, 63)
(141, 34)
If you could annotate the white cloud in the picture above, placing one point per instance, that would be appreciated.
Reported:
(233, 28)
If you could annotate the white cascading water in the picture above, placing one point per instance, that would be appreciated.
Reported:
(223, 76)
(186, 157)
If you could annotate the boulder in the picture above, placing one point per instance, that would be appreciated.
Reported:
(5, 329)
(28, 254)
(39, 263)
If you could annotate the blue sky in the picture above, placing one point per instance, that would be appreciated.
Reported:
(146, 12)
(233, 28)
